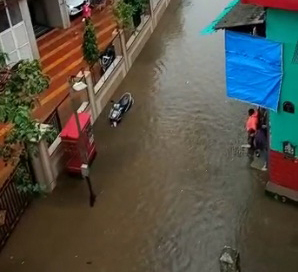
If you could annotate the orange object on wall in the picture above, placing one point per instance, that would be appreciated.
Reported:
(70, 140)
(279, 4)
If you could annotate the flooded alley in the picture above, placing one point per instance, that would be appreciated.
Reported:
(173, 185)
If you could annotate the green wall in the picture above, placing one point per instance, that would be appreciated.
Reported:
(282, 26)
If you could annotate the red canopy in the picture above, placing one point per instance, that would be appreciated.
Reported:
(279, 4)
(70, 130)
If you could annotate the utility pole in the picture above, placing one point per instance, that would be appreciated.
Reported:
(82, 145)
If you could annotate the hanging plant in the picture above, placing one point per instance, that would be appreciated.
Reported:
(21, 86)
(123, 13)
(89, 47)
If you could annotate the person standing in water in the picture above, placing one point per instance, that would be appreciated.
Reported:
(261, 146)
(251, 128)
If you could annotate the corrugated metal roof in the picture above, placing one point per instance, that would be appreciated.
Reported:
(242, 15)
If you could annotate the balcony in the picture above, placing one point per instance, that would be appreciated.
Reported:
(61, 56)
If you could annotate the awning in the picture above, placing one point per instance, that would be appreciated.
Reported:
(242, 15)
(253, 69)
(236, 14)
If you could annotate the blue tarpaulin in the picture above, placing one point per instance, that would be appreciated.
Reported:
(253, 69)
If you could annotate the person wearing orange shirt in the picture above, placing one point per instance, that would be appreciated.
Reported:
(251, 128)
(252, 120)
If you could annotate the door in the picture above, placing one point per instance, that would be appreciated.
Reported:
(13, 34)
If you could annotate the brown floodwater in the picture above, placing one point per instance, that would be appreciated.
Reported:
(175, 185)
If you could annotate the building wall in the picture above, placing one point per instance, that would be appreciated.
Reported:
(282, 27)
(283, 172)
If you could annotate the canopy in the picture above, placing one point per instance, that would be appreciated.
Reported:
(253, 69)
(280, 4)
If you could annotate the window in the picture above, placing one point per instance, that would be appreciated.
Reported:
(289, 107)
(14, 12)
(13, 34)
(4, 23)
(10, 14)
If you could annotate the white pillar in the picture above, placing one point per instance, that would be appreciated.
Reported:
(28, 23)
(64, 14)
(91, 95)
(124, 50)
(42, 168)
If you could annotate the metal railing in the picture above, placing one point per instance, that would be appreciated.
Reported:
(12, 205)
(54, 121)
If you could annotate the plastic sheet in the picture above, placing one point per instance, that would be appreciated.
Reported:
(253, 69)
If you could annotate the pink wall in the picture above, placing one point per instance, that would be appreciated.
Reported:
(280, 4)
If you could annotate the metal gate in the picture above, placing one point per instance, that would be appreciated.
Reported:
(12, 205)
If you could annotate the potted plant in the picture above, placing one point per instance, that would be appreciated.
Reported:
(20, 86)
(89, 47)
(124, 14)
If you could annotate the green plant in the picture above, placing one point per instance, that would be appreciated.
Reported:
(3, 58)
(23, 181)
(89, 46)
(124, 12)
(20, 87)
(140, 4)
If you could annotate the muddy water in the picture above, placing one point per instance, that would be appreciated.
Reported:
(181, 187)
(175, 188)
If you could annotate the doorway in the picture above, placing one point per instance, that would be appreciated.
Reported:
(39, 18)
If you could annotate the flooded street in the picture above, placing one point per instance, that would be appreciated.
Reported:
(175, 186)
(172, 173)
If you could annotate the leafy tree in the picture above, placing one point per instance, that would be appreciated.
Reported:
(89, 46)
(20, 86)
(124, 12)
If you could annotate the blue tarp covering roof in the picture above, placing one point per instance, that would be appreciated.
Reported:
(253, 69)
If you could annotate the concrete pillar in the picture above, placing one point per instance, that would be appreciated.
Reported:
(91, 95)
(124, 50)
(64, 14)
(42, 168)
(151, 15)
(117, 43)
(28, 23)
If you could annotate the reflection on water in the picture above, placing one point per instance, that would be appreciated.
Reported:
(186, 186)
